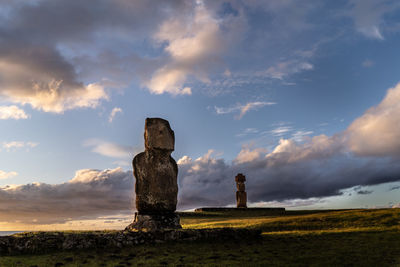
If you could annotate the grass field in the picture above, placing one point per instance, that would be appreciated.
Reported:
(298, 238)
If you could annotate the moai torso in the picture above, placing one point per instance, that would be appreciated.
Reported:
(155, 170)
(241, 195)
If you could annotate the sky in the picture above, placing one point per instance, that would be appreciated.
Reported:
(303, 97)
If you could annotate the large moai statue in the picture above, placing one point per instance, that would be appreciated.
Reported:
(156, 175)
(241, 195)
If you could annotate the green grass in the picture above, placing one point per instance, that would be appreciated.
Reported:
(299, 238)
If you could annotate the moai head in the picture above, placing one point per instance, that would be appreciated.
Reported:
(240, 178)
(158, 135)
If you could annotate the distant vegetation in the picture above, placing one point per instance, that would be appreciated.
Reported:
(299, 238)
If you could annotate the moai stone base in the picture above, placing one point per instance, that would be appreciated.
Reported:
(155, 222)
(241, 199)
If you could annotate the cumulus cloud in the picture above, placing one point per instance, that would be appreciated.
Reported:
(247, 154)
(242, 109)
(47, 49)
(12, 112)
(193, 43)
(6, 175)
(278, 177)
(113, 113)
(377, 131)
(41, 77)
(366, 153)
(90, 194)
(109, 149)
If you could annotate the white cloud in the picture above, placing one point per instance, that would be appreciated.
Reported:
(12, 112)
(242, 109)
(109, 149)
(281, 130)
(193, 43)
(18, 144)
(247, 154)
(184, 160)
(6, 175)
(377, 131)
(317, 147)
(285, 68)
(113, 113)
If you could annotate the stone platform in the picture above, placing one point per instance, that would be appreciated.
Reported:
(272, 211)
(43, 242)
(154, 222)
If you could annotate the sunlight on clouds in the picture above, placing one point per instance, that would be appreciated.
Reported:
(377, 131)
(193, 43)
(170, 81)
(90, 194)
(23, 83)
(247, 154)
(12, 112)
(117, 222)
(6, 175)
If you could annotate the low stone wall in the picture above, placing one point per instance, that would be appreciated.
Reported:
(40, 242)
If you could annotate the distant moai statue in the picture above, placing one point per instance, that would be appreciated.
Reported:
(156, 175)
(241, 195)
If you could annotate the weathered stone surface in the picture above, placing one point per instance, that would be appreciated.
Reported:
(241, 199)
(156, 185)
(155, 222)
(241, 195)
(158, 135)
(156, 175)
(43, 242)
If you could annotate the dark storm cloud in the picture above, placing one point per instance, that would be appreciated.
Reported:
(206, 181)
(90, 194)
(41, 43)
(209, 181)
